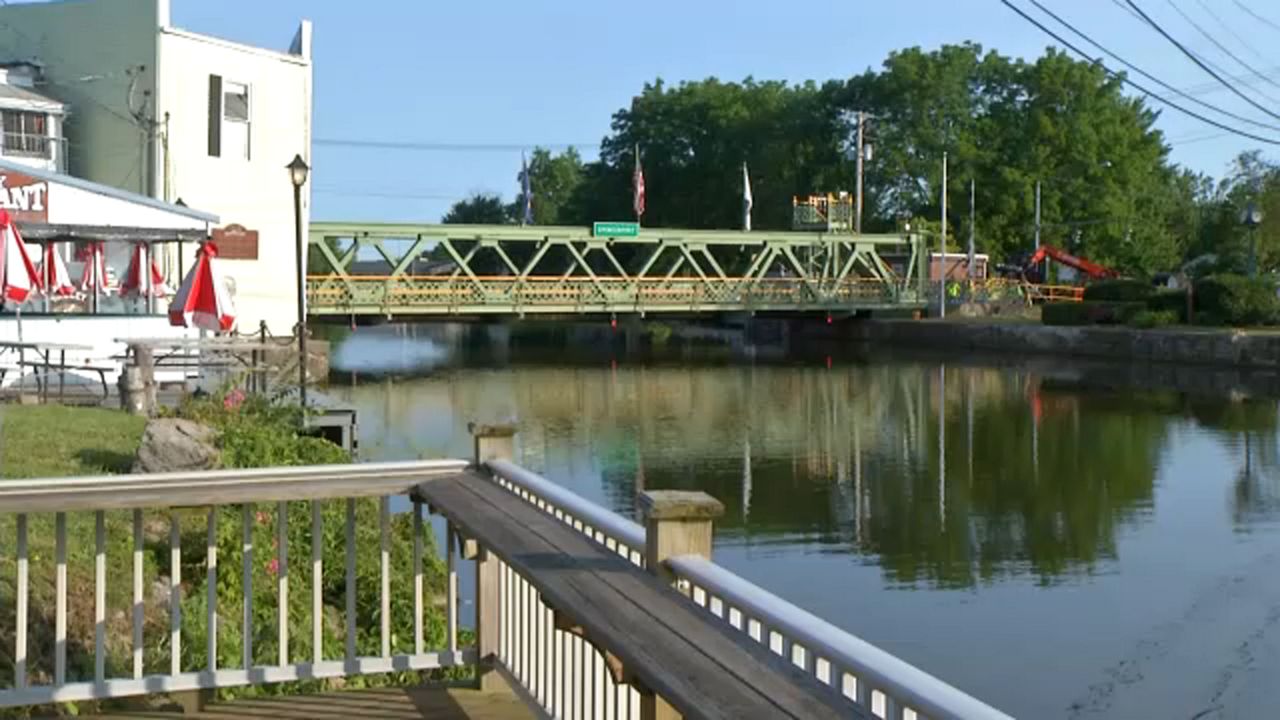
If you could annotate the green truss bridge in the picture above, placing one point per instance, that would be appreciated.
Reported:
(472, 270)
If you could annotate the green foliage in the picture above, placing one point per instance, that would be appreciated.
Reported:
(1119, 291)
(554, 180)
(1237, 300)
(1173, 301)
(1218, 229)
(479, 209)
(1090, 313)
(1149, 319)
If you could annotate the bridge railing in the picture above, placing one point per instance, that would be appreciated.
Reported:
(866, 676)
(407, 292)
(56, 659)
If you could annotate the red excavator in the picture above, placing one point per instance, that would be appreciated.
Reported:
(1031, 269)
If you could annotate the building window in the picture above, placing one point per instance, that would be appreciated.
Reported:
(235, 119)
(230, 110)
(26, 134)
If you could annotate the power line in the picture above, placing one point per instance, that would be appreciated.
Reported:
(1209, 36)
(444, 147)
(1146, 74)
(1265, 21)
(1230, 31)
(1192, 113)
(1196, 59)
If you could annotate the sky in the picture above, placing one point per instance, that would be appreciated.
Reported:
(508, 74)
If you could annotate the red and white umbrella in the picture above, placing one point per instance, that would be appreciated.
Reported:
(94, 256)
(203, 300)
(54, 275)
(18, 276)
(136, 283)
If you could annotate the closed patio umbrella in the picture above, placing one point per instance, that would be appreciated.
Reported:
(18, 276)
(137, 283)
(54, 275)
(203, 301)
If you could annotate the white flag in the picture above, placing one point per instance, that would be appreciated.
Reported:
(747, 200)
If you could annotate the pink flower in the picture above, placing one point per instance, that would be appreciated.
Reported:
(263, 517)
(234, 399)
(273, 567)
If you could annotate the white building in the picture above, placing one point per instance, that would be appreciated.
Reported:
(30, 123)
(177, 115)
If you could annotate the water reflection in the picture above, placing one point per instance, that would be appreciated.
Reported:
(848, 459)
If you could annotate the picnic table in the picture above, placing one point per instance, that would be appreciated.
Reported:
(144, 356)
(46, 352)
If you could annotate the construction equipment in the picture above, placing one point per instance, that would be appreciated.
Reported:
(1030, 269)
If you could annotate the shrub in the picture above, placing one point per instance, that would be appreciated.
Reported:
(1238, 300)
(1148, 319)
(1119, 291)
(1090, 313)
(1173, 301)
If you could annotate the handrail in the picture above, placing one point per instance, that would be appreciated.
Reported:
(213, 487)
(606, 521)
(919, 690)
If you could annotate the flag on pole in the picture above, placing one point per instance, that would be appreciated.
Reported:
(637, 200)
(747, 199)
(526, 192)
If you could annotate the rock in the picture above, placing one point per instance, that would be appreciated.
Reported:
(172, 445)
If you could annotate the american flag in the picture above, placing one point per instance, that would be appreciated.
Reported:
(637, 200)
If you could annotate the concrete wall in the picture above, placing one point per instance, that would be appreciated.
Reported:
(1236, 348)
(256, 192)
(88, 48)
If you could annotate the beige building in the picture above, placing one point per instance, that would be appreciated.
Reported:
(176, 115)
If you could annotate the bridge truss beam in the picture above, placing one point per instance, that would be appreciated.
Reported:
(396, 270)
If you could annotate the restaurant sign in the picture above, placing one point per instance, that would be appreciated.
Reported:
(25, 197)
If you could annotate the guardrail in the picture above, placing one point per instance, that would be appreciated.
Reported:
(868, 677)
(158, 503)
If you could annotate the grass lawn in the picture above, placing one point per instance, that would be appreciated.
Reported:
(57, 441)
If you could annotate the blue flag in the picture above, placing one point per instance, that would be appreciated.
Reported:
(526, 192)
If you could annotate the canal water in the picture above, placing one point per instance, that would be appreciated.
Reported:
(1058, 539)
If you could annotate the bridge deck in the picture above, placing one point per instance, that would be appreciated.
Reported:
(661, 637)
(431, 703)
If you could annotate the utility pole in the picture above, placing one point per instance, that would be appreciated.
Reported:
(1037, 248)
(973, 221)
(857, 214)
(942, 246)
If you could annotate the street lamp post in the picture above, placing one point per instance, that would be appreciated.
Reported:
(1251, 217)
(298, 171)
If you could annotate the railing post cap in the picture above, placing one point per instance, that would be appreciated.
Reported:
(491, 430)
(679, 505)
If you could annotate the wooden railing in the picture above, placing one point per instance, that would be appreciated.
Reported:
(567, 658)
(158, 504)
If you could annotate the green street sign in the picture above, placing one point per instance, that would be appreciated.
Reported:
(615, 229)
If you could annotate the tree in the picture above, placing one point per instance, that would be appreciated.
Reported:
(553, 179)
(479, 209)
(1252, 179)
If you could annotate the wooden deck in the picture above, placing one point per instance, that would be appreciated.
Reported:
(393, 704)
(703, 669)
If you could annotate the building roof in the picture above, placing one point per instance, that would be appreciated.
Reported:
(106, 190)
(16, 96)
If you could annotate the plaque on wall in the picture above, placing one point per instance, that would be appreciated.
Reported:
(235, 242)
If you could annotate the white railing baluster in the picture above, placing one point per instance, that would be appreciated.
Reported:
(99, 597)
(317, 583)
(211, 582)
(451, 592)
(384, 529)
(351, 580)
(60, 602)
(417, 575)
(20, 632)
(246, 580)
(138, 609)
(175, 593)
(282, 580)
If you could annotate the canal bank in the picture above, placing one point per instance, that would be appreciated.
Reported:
(1256, 349)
